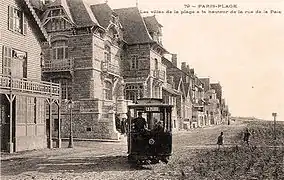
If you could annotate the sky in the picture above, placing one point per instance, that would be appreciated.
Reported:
(244, 52)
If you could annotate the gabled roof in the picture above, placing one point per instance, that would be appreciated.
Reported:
(177, 79)
(102, 13)
(187, 89)
(36, 18)
(78, 11)
(135, 31)
(152, 24)
(181, 86)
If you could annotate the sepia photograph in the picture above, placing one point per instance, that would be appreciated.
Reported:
(142, 90)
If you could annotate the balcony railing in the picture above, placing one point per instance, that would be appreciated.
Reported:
(159, 74)
(168, 85)
(58, 65)
(27, 86)
(109, 67)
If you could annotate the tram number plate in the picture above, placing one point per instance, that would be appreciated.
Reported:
(152, 109)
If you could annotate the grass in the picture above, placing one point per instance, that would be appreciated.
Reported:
(258, 161)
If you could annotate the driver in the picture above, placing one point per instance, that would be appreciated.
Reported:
(140, 122)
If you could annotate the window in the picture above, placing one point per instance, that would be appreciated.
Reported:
(57, 24)
(66, 88)
(59, 50)
(187, 79)
(108, 90)
(134, 62)
(107, 54)
(14, 62)
(134, 92)
(17, 22)
(156, 91)
(88, 129)
(55, 125)
(57, 20)
(156, 63)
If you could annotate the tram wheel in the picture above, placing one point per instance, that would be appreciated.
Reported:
(165, 159)
(154, 161)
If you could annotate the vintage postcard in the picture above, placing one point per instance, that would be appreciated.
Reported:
(140, 89)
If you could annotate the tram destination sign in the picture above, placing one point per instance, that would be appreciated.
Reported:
(152, 108)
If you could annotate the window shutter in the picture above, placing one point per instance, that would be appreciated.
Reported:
(11, 18)
(25, 24)
(3, 59)
(7, 56)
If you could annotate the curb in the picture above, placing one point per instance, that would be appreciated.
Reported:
(96, 140)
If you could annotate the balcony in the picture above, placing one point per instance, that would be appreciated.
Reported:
(108, 67)
(24, 85)
(159, 74)
(58, 65)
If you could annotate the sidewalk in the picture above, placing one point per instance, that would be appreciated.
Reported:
(79, 146)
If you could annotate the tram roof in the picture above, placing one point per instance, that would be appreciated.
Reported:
(154, 102)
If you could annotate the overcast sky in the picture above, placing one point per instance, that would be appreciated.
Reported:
(245, 53)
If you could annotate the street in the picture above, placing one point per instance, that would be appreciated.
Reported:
(108, 160)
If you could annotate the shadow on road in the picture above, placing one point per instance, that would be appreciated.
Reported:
(75, 165)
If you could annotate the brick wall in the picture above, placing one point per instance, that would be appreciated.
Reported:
(143, 54)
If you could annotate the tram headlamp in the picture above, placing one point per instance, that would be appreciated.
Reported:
(151, 141)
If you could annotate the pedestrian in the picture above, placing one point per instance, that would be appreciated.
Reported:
(122, 127)
(246, 136)
(117, 123)
(220, 140)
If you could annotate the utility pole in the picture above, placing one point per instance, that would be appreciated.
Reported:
(70, 104)
(274, 116)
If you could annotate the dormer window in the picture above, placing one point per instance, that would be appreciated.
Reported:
(55, 13)
(56, 20)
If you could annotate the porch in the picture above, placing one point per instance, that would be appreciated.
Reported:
(24, 124)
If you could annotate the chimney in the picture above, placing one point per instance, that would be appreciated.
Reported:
(192, 71)
(183, 66)
(174, 59)
(187, 69)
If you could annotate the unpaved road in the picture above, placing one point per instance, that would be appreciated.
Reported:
(97, 160)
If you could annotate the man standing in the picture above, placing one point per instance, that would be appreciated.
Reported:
(246, 136)
(140, 122)
(220, 140)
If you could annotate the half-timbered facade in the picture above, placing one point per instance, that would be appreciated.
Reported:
(23, 96)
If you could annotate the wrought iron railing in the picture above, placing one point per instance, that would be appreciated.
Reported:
(29, 86)
(58, 65)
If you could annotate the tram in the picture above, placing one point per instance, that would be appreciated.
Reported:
(149, 131)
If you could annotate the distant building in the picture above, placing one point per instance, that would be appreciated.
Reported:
(24, 98)
(218, 89)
